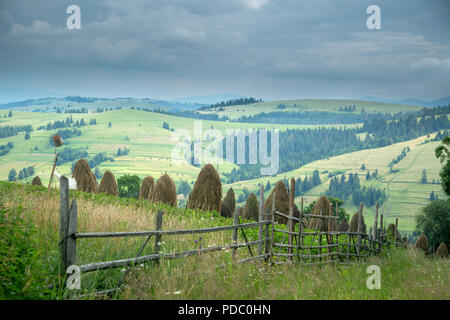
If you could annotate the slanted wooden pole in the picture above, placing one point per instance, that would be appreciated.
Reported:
(396, 230)
(381, 229)
(158, 223)
(261, 218)
(53, 172)
(63, 222)
(72, 229)
(360, 229)
(291, 223)
(235, 232)
(375, 222)
(273, 227)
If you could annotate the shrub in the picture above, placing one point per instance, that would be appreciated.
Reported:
(434, 222)
(129, 186)
(207, 192)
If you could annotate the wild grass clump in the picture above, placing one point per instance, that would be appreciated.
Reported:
(207, 192)
(146, 188)
(164, 191)
(108, 184)
(86, 180)
(228, 204)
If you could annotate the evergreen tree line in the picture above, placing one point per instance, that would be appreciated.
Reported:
(123, 152)
(24, 173)
(9, 131)
(233, 102)
(4, 149)
(348, 108)
(74, 110)
(342, 188)
(69, 122)
(302, 186)
(70, 154)
(399, 157)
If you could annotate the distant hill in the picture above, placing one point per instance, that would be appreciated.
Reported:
(209, 99)
(411, 101)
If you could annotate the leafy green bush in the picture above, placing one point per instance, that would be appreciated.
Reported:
(434, 222)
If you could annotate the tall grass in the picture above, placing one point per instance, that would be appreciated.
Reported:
(406, 274)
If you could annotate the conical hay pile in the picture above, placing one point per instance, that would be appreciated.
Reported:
(442, 251)
(251, 210)
(36, 181)
(422, 243)
(164, 191)
(228, 204)
(207, 192)
(281, 201)
(241, 212)
(391, 232)
(86, 180)
(343, 226)
(321, 207)
(354, 223)
(146, 188)
(108, 184)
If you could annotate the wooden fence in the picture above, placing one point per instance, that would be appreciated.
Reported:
(340, 247)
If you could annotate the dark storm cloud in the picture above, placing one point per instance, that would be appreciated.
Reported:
(272, 49)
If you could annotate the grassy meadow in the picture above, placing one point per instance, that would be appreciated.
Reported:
(405, 273)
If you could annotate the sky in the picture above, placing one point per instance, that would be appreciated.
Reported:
(269, 49)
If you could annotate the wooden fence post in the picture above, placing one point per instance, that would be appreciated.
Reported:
(360, 227)
(375, 222)
(396, 231)
(291, 222)
(381, 228)
(71, 230)
(63, 222)
(300, 231)
(158, 223)
(235, 231)
(261, 218)
(273, 227)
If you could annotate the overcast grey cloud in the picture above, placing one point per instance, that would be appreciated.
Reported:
(265, 48)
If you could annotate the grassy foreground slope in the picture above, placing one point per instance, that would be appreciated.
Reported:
(405, 273)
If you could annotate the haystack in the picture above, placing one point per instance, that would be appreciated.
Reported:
(228, 204)
(146, 188)
(251, 210)
(84, 177)
(36, 181)
(241, 212)
(281, 201)
(207, 192)
(405, 241)
(343, 226)
(442, 251)
(164, 191)
(354, 223)
(422, 243)
(321, 207)
(391, 232)
(108, 184)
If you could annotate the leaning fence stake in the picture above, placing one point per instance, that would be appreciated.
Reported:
(63, 222)
(159, 218)
(72, 230)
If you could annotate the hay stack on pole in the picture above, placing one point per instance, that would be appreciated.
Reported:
(207, 192)
(108, 184)
(36, 181)
(422, 243)
(146, 188)
(391, 233)
(251, 209)
(58, 142)
(281, 201)
(343, 226)
(442, 251)
(228, 204)
(354, 223)
(321, 207)
(84, 177)
(164, 191)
